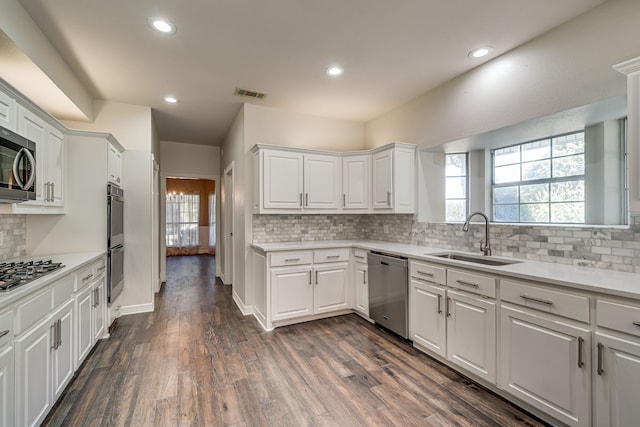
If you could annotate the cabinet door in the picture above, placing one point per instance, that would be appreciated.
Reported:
(8, 118)
(291, 292)
(84, 329)
(33, 375)
(471, 334)
(62, 357)
(321, 182)
(99, 309)
(383, 179)
(545, 361)
(617, 382)
(356, 188)
(55, 167)
(330, 292)
(362, 288)
(427, 320)
(282, 180)
(6, 386)
(33, 128)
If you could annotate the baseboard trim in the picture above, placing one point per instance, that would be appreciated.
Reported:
(135, 309)
(245, 310)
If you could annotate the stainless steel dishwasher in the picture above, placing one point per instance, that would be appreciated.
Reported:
(388, 290)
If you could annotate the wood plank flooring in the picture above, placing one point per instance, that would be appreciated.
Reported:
(197, 361)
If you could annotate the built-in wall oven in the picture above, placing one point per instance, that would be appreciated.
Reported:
(115, 241)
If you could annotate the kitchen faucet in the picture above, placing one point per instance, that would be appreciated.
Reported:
(485, 246)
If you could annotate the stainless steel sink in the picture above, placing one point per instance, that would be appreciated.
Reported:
(476, 259)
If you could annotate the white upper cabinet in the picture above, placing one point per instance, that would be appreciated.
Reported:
(8, 114)
(282, 180)
(288, 180)
(321, 182)
(394, 179)
(50, 155)
(356, 182)
(114, 165)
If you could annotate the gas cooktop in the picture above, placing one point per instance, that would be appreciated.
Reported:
(14, 274)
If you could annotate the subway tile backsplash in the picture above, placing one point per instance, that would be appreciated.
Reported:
(13, 234)
(605, 248)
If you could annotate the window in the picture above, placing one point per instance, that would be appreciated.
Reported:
(541, 181)
(183, 211)
(456, 187)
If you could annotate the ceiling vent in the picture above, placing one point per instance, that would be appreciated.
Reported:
(249, 93)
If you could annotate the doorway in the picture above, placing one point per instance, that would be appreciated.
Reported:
(190, 216)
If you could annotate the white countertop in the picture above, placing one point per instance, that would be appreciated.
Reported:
(70, 261)
(584, 278)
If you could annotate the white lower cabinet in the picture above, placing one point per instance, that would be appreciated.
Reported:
(84, 332)
(62, 357)
(291, 292)
(330, 289)
(99, 309)
(33, 374)
(471, 334)
(361, 285)
(428, 322)
(546, 362)
(6, 385)
(617, 384)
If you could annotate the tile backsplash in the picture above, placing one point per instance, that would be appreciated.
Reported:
(13, 235)
(601, 247)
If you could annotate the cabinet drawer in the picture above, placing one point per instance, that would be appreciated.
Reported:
(99, 267)
(557, 302)
(360, 255)
(32, 310)
(623, 317)
(331, 255)
(6, 328)
(427, 272)
(84, 276)
(63, 290)
(472, 282)
(291, 258)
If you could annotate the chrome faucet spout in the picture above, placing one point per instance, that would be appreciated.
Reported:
(485, 245)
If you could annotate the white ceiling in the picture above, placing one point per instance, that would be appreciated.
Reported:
(392, 51)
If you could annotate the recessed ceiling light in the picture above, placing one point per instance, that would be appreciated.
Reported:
(171, 99)
(334, 71)
(162, 25)
(480, 52)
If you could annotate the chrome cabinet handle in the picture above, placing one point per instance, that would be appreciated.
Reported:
(540, 301)
(600, 359)
(53, 191)
(59, 332)
(3, 333)
(316, 277)
(364, 278)
(426, 273)
(344, 200)
(333, 256)
(425, 280)
(300, 199)
(637, 324)
(389, 198)
(580, 352)
(54, 332)
(306, 199)
(102, 268)
(361, 257)
(439, 303)
(448, 311)
(291, 259)
(310, 277)
(462, 282)
(87, 277)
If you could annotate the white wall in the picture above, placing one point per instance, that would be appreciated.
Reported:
(280, 127)
(132, 126)
(567, 67)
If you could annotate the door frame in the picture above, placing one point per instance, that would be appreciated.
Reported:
(228, 205)
(163, 216)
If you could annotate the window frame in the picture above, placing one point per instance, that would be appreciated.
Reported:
(549, 181)
(466, 186)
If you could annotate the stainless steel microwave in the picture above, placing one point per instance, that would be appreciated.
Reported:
(17, 168)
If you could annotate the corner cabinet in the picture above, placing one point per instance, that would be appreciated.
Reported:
(288, 180)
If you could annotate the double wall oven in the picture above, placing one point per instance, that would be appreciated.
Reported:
(115, 241)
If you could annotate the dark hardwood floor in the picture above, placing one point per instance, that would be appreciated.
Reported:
(197, 361)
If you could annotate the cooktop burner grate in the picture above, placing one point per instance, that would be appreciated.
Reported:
(14, 274)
